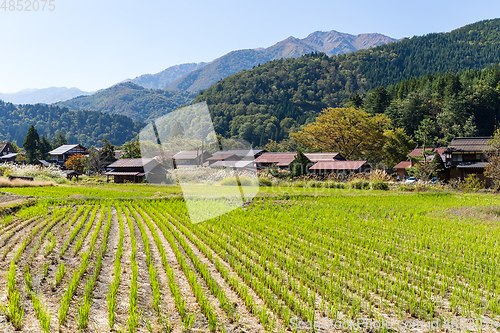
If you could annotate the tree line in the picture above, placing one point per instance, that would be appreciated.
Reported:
(84, 127)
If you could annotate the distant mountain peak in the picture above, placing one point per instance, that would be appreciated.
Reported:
(46, 95)
(330, 42)
(162, 79)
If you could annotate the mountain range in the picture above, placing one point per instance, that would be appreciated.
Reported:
(331, 43)
(164, 78)
(46, 95)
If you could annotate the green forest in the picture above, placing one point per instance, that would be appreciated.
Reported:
(278, 97)
(465, 104)
(84, 127)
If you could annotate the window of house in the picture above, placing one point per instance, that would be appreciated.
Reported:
(457, 158)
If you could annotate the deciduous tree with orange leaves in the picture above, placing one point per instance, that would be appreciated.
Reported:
(74, 162)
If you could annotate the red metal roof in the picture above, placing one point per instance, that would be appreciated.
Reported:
(418, 151)
(280, 159)
(338, 165)
(403, 165)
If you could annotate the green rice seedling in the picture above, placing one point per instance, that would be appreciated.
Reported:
(188, 321)
(50, 247)
(133, 314)
(60, 274)
(165, 322)
(84, 308)
(45, 270)
(14, 311)
(28, 279)
(77, 275)
(11, 279)
(75, 231)
(41, 312)
(84, 234)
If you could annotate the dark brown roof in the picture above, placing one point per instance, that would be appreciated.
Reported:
(131, 162)
(477, 144)
(338, 165)
(116, 173)
(4, 145)
(403, 165)
(280, 159)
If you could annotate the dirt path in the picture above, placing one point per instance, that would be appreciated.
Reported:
(168, 303)
(98, 318)
(123, 294)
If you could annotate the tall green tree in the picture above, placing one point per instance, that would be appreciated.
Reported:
(131, 149)
(300, 165)
(44, 146)
(59, 139)
(30, 145)
(107, 151)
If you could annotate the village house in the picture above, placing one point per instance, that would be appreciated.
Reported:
(283, 160)
(136, 170)
(7, 152)
(191, 158)
(465, 156)
(61, 154)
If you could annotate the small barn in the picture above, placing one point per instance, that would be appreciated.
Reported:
(136, 170)
(401, 168)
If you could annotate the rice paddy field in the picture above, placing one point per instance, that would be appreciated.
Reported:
(332, 261)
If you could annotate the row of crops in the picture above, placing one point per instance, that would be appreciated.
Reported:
(143, 266)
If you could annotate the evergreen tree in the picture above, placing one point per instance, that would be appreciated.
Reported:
(30, 145)
(107, 152)
(59, 139)
(44, 146)
(300, 165)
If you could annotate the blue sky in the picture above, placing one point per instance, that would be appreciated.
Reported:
(93, 44)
